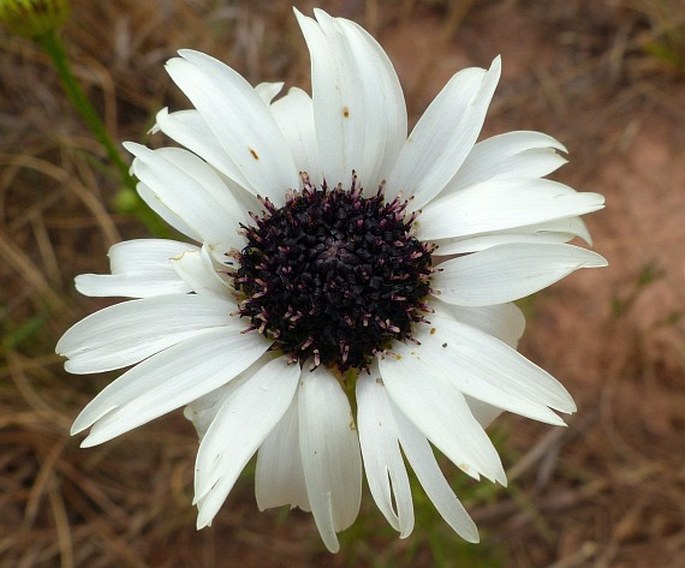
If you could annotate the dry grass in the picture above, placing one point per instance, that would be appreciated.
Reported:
(607, 491)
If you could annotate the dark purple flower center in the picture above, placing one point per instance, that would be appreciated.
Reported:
(333, 276)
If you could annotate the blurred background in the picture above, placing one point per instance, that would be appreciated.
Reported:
(605, 77)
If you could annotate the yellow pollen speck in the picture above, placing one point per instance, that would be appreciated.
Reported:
(254, 153)
(432, 331)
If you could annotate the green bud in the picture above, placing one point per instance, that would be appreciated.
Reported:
(33, 18)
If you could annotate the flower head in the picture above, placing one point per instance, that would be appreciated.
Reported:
(336, 260)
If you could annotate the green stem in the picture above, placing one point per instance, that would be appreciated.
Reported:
(53, 46)
(128, 197)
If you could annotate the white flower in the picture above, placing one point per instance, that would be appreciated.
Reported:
(269, 327)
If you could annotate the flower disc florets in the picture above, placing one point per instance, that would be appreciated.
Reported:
(334, 276)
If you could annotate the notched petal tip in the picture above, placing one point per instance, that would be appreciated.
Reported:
(189, 54)
(594, 261)
(202, 522)
(155, 128)
(173, 62)
(304, 21)
(136, 149)
(496, 68)
(320, 15)
(90, 443)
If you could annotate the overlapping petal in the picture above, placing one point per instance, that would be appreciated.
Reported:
(506, 322)
(444, 136)
(197, 269)
(552, 232)
(420, 457)
(139, 268)
(246, 416)
(508, 272)
(330, 454)
(480, 366)
(501, 204)
(193, 192)
(168, 380)
(189, 129)
(126, 333)
(518, 154)
(426, 397)
(279, 476)
(359, 110)
(383, 463)
(268, 91)
(294, 115)
(245, 129)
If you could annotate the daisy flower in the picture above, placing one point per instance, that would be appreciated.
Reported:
(336, 264)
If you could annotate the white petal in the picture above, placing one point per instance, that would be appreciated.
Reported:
(245, 418)
(279, 476)
(168, 380)
(502, 204)
(269, 91)
(504, 321)
(439, 410)
(129, 285)
(508, 272)
(383, 463)
(239, 120)
(154, 202)
(201, 411)
(422, 461)
(140, 268)
(482, 367)
(197, 269)
(464, 245)
(126, 333)
(330, 454)
(482, 411)
(573, 226)
(188, 128)
(513, 154)
(192, 191)
(295, 117)
(554, 232)
(444, 136)
(147, 256)
(359, 108)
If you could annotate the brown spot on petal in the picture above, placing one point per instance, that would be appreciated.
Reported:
(254, 153)
(346, 112)
(432, 331)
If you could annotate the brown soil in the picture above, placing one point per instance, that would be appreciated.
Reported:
(606, 78)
